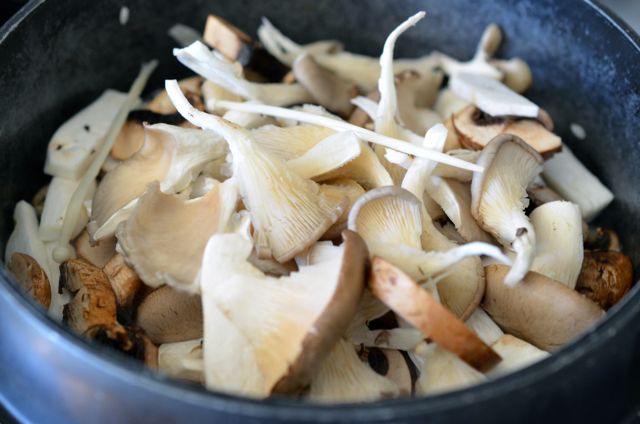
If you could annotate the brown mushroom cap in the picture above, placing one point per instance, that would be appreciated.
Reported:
(124, 281)
(130, 341)
(539, 310)
(418, 307)
(605, 277)
(31, 278)
(167, 315)
(475, 129)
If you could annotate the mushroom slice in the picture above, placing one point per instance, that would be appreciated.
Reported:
(343, 377)
(418, 307)
(455, 199)
(539, 310)
(343, 187)
(498, 198)
(484, 327)
(605, 277)
(171, 155)
(448, 104)
(132, 342)
(183, 360)
(282, 327)
(228, 75)
(396, 338)
(94, 302)
(442, 371)
(97, 254)
(165, 236)
(476, 129)
(478, 65)
(168, 315)
(31, 278)
(565, 174)
(328, 89)
(329, 155)
(70, 149)
(559, 250)
(290, 142)
(124, 281)
(516, 354)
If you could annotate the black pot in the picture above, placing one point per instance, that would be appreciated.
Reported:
(56, 56)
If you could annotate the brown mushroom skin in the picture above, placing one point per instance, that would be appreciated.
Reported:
(419, 308)
(31, 278)
(130, 341)
(125, 282)
(605, 277)
(539, 310)
(94, 302)
(331, 325)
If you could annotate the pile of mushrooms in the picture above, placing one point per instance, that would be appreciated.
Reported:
(299, 219)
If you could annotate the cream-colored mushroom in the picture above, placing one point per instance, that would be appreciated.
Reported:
(290, 142)
(515, 354)
(416, 93)
(161, 103)
(448, 103)
(559, 249)
(164, 237)
(282, 327)
(486, 328)
(462, 175)
(396, 338)
(340, 188)
(183, 360)
(97, 254)
(498, 198)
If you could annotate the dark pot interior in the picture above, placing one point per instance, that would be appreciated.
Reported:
(57, 56)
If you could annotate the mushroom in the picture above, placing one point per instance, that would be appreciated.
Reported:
(161, 104)
(327, 89)
(171, 155)
(559, 251)
(132, 342)
(168, 315)
(478, 65)
(37, 201)
(365, 109)
(601, 239)
(183, 360)
(462, 175)
(418, 307)
(31, 278)
(498, 198)
(565, 174)
(160, 256)
(515, 354)
(539, 193)
(124, 281)
(93, 302)
(416, 93)
(442, 371)
(605, 277)
(97, 254)
(391, 364)
(343, 377)
(516, 73)
(212, 92)
(72, 146)
(484, 327)
(55, 207)
(284, 327)
(447, 104)
(343, 187)
(539, 310)
(229, 75)
(290, 142)
(395, 338)
(476, 129)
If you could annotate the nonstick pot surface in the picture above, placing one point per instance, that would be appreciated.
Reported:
(56, 56)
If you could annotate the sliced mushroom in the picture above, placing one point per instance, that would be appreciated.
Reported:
(447, 105)
(516, 354)
(343, 377)
(183, 360)
(407, 299)
(343, 187)
(130, 341)
(476, 129)
(283, 327)
(559, 249)
(602, 239)
(168, 315)
(97, 254)
(94, 302)
(162, 256)
(484, 327)
(124, 281)
(498, 198)
(605, 277)
(31, 278)
(328, 89)
(390, 363)
(539, 310)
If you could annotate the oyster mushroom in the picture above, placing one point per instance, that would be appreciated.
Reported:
(55, 207)
(31, 278)
(498, 198)
(417, 93)
(391, 364)
(343, 377)
(171, 155)
(605, 277)
(414, 304)
(161, 104)
(448, 104)
(479, 64)
(395, 338)
(475, 130)
(97, 254)
(541, 311)
(132, 342)
(343, 187)
(183, 360)
(93, 302)
(168, 315)
(516, 73)
(559, 251)
(486, 328)
(162, 256)
(290, 142)
(283, 327)
(515, 354)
